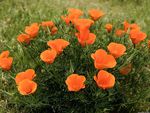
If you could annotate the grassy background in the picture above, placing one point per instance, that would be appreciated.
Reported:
(16, 14)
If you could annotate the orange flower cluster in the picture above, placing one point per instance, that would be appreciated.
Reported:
(24, 81)
(102, 59)
(128, 26)
(117, 50)
(5, 60)
(121, 32)
(32, 31)
(50, 25)
(56, 47)
(73, 14)
(104, 80)
(136, 35)
(84, 36)
(82, 25)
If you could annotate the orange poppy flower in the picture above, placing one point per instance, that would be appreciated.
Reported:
(49, 24)
(73, 14)
(5, 60)
(24, 38)
(131, 26)
(134, 26)
(27, 87)
(32, 30)
(54, 30)
(75, 82)
(91, 39)
(119, 32)
(116, 49)
(48, 56)
(28, 74)
(104, 79)
(96, 14)
(6, 63)
(137, 36)
(126, 69)
(86, 39)
(108, 27)
(126, 26)
(82, 24)
(66, 19)
(103, 60)
(4, 54)
(58, 45)
(83, 35)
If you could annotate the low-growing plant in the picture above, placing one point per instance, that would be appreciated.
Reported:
(77, 64)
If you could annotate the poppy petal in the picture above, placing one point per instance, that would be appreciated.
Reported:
(48, 56)
(75, 82)
(104, 79)
(4, 54)
(28, 74)
(116, 49)
(91, 39)
(27, 87)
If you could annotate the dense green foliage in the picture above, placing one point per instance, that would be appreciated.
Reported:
(131, 92)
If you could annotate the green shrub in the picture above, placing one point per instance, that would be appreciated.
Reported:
(128, 94)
